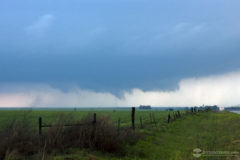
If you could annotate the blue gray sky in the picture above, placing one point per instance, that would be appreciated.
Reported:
(82, 48)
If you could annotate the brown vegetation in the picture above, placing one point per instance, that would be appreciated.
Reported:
(19, 138)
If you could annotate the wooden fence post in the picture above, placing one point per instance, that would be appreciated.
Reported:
(94, 126)
(118, 130)
(169, 117)
(40, 125)
(133, 117)
(94, 118)
(141, 125)
(179, 115)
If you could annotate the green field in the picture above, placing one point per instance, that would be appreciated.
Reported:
(50, 116)
(209, 131)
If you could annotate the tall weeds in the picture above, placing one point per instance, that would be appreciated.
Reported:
(20, 138)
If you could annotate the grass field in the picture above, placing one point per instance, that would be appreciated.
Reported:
(50, 116)
(209, 131)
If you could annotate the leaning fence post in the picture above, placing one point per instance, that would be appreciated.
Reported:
(94, 118)
(133, 117)
(40, 125)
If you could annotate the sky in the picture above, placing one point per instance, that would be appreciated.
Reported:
(90, 53)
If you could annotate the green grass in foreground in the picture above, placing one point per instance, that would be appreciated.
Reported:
(210, 131)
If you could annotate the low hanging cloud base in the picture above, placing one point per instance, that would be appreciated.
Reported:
(222, 90)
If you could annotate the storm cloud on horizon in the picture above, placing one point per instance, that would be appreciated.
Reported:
(222, 90)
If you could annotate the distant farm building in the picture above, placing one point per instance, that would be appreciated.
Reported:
(213, 108)
(144, 107)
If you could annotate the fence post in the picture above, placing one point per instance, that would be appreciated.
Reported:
(94, 126)
(141, 125)
(179, 115)
(133, 117)
(118, 131)
(94, 118)
(169, 118)
(40, 125)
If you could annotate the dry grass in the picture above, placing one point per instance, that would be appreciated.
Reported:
(18, 138)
